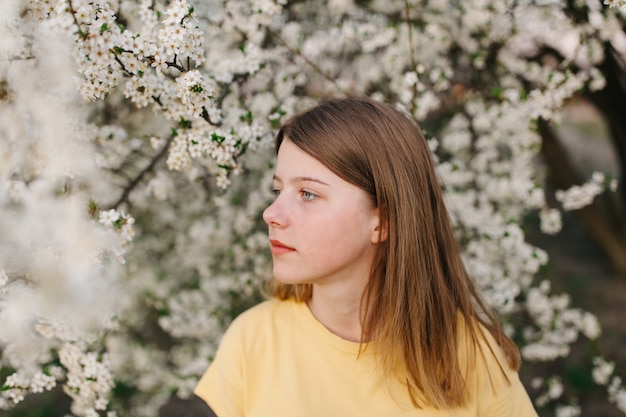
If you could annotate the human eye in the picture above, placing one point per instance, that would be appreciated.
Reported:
(308, 196)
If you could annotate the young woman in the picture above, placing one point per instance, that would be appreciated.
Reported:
(372, 311)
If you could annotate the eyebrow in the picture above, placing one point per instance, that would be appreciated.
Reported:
(302, 179)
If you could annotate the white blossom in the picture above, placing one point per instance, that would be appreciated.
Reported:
(567, 411)
(180, 103)
(550, 221)
(602, 370)
(109, 217)
(577, 196)
(615, 3)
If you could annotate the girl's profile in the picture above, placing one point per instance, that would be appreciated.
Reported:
(371, 310)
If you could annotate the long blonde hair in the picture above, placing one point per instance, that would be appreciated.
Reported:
(418, 283)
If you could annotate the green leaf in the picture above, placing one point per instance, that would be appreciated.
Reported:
(184, 123)
(217, 138)
(246, 117)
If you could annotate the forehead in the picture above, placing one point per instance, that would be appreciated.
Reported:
(293, 161)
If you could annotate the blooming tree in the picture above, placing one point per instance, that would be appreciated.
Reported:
(135, 160)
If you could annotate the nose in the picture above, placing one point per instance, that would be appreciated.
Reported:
(274, 214)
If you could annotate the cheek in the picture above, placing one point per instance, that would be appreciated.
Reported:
(320, 234)
(346, 230)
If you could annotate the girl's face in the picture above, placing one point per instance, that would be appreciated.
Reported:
(322, 229)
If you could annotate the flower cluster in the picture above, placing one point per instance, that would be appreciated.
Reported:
(558, 324)
(179, 37)
(551, 221)
(55, 286)
(603, 374)
(617, 393)
(182, 100)
(89, 380)
(580, 196)
(196, 95)
(615, 3)
(553, 389)
(123, 224)
(18, 384)
(567, 411)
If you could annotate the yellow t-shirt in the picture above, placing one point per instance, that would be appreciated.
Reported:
(277, 360)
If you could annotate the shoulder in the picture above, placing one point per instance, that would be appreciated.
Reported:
(271, 309)
(495, 385)
(259, 321)
(256, 312)
(479, 348)
(247, 356)
(249, 333)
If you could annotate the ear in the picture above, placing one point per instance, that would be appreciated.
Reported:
(379, 229)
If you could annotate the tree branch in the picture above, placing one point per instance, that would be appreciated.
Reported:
(409, 28)
(312, 64)
(139, 177)
(611, 101)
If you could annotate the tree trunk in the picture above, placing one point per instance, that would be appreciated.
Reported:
(604, 223)
(611, 102)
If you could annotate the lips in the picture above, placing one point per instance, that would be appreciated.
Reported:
(278, 248)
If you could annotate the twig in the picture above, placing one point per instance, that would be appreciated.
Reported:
(312, 64)
(129, 188)
(73, 12)
(407, 19)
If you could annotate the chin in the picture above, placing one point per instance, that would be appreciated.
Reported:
(291, 279)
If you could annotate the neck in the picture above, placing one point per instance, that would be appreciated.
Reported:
(338, 309)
